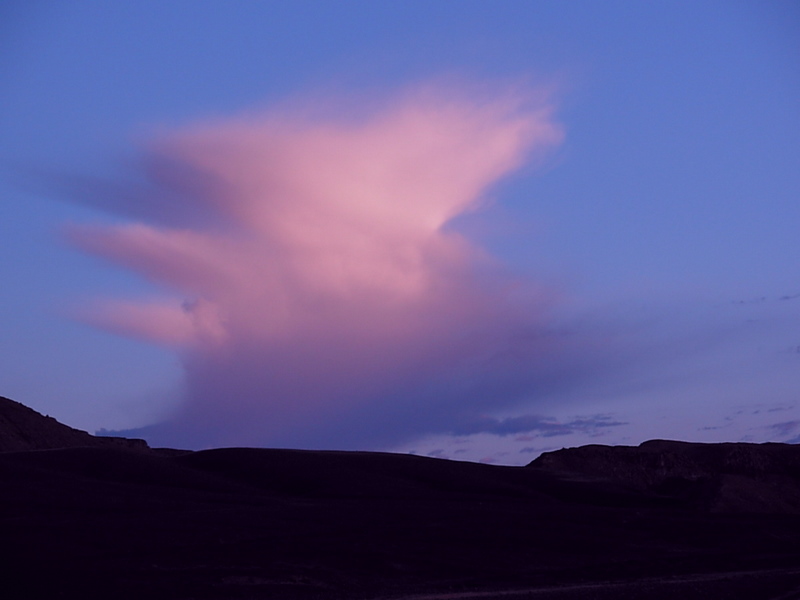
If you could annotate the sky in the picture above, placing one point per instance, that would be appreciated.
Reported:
(472, 230)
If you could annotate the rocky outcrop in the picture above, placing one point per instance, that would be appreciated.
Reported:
(726, 477)
(22, 429)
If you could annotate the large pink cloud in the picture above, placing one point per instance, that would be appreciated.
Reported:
(322, 289)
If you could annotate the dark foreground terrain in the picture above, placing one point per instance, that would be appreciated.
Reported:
(117, 520)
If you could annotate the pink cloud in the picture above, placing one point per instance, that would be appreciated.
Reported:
(327, 282)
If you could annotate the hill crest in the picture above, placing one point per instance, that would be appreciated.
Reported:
(23, 429)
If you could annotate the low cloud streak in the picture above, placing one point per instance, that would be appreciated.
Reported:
(537, 426)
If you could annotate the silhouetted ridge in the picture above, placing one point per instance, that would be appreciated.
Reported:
(723, 477)
(661, 521)
(22, 428)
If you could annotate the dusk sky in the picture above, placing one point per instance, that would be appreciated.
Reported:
(474, 230)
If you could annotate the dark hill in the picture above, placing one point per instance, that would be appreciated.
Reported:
(22, 428)
(100, 520)
(728, 477)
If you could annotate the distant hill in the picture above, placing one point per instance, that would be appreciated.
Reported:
(22, 428)
(723, 477)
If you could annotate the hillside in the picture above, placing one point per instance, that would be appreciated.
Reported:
(727, 477)
(112, 521)
(22, 428)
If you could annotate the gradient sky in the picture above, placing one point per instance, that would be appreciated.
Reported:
(476, 230)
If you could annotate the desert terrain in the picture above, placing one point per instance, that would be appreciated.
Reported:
(87, 517)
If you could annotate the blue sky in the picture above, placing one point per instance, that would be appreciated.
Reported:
(665, 222)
